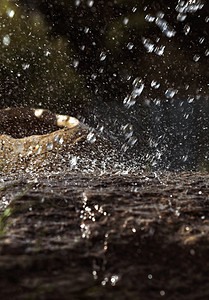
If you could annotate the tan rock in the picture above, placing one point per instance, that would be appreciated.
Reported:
(37, 140)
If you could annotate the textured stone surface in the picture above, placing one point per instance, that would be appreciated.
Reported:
(93, 236)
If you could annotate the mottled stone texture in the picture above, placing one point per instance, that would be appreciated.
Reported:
(112, 236)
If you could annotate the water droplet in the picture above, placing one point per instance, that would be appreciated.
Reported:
(159, 50)
(102, 56)
(196, 58)
(128, 130)
(149, 18)
(77, 2)
(114, 279)
(207, 52)
(148, 44)
(125, 21)
(138, 87)
(94, 76)
(90, 3)
(170, 93)
(201, 40)
(186, 29)
(181, 17)
(47, 53)
(86, 29)
(130, 46)
(10, 13)
(75, 63)
(165, 27)
(155, 84)
(128, 101)
(131, 141)
(49, 146)
(25, 66)
(207, 19)
(91, 137)
(6, 40)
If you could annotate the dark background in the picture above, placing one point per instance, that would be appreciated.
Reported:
(82, 57)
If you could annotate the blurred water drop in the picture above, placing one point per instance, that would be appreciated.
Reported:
(170, 93)
(86, 29)
(196, 58)
(186, 29)
(90, 3)
(128, 101)
(207, 52)
(47, 53)
(128, 130)
(149, 18)
(75, 63)
(148, 44)
(49, 146)
(207, 19)
(131, 141)
(201, 40)
(103, 56)
(160, 50)
(77, 2)
(165, 27)
(25, 66)
(10, 13)
(134, 9)
(94, 76)
(130, 46)
(155, 84)
(91, 137)
(138, 87)
(6, 40)
(125, 21)
(190, 100)
(181, 17)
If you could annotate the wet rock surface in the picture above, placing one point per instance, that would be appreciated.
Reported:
(111, 236)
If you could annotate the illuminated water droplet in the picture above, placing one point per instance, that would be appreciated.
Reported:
(155, 84)
(160, 50)
(10, 13)
(148, 44)
(25, 66)
(102, 56)
(125, 21)
(90, 3)
(91, 137)
(207, 52)
(77, 2)
(149, 18)
(181, 17)
(6, 40)
(196, 58)
(186, 29)
(170, 93)
(75, 63)
(130, 46)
